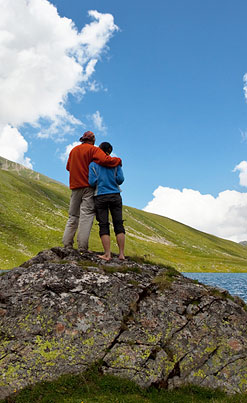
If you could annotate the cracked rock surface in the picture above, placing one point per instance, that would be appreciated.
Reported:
(62, 311)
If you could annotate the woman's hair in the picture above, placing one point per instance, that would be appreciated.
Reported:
(106, 147)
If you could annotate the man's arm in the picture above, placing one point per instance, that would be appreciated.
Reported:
(105, 160)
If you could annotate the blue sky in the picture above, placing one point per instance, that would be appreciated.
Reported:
(167, 91)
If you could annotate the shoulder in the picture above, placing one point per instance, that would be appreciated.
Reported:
(83, 148)
(95, 149)
(77, 150)
(94, 168)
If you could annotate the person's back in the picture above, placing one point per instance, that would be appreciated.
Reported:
(105, 180)
(78, 163)
(107, 198)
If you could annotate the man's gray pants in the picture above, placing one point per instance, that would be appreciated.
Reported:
(81, 215)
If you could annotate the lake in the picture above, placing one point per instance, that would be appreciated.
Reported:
(235, 283)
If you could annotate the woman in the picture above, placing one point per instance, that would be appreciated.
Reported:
(107, 198)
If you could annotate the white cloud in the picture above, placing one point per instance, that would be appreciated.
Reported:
(13, 146)
(44, 59)
(69, 147)
(94, 36)
(245, 85)
(59, 127)
(224, 216)
(242, 167)
(94, 86)
(98, 122)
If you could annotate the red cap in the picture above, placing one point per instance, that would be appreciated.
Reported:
(88, 136)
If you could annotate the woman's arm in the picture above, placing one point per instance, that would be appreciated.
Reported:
(119, 176)
(92, 175)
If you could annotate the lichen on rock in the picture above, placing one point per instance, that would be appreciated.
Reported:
(62, 311)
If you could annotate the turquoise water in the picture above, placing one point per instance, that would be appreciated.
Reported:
(235, 283)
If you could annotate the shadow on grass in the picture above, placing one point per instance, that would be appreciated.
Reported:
(93, 387)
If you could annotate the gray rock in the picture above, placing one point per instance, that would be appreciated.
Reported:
(62, 311)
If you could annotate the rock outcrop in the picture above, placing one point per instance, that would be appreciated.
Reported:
(62, 311)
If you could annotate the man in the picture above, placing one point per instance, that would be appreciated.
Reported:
(81, 209)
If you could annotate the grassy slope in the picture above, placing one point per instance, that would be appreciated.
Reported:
(33, 213)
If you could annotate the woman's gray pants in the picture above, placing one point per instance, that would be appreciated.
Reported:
(81, 215)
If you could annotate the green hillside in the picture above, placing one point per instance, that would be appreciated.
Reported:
(33, 213)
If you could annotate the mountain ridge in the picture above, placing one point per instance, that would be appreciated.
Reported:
(34, 210)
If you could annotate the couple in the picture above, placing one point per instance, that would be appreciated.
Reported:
(94, 180)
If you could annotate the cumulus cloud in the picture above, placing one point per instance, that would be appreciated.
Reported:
(98, 122)
(59, 127)
(44, 59)
(242, 168)
(13, 146)
(224, 216)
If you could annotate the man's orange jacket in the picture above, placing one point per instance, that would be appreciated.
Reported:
(79, 160)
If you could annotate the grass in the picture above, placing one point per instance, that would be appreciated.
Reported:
(165, 279)
(93, 387)
(33, 211)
